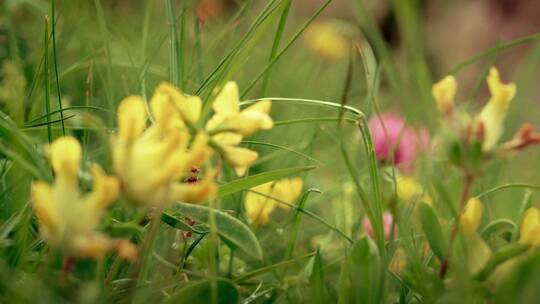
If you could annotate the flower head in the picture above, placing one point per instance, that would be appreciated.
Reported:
(390, 134)
(151, 161)
(327, 40)
(261, 201)
(67, 217)
(229, 125)
(444, 92)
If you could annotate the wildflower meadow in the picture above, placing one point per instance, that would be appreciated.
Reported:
(271, 151)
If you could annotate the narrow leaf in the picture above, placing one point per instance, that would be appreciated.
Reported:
(230, 229)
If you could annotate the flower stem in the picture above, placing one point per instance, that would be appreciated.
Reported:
(465, 193)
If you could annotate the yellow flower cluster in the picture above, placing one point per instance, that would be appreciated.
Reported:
(489, 124)
(68, 218)
(261, 201)
(150, 162)
(229, 125)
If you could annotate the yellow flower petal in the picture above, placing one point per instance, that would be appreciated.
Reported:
(493, 114)
(131, 117)
(239, 158)
(248, 122)
(444, 92)
(43, 203)
(258, 205)
(227, 101)
(200, 151)
(261, 201)
(188, 106)
(165, 113)
(90, 246)
(105, 189)
(288, 190)
(65, 155)
(263, 106)
(471, 216)
(197, 192)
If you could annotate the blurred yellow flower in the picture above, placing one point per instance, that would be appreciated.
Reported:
(229, 125)
(261, 201)
(187, 107)
(68, 218)
(530, 228)
(326, 40)
(479, 251)
(444, 92)
(409, 190)
(469, 220)
(491, 118)
(151, 162)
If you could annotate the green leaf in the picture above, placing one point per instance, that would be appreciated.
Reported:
(230, 229)
(365, 271)
(244, 183)
(432, 230)
(201, 292)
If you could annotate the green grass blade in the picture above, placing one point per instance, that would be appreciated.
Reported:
(55, 63)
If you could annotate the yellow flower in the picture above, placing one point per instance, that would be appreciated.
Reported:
(469, 220)
(261, 201)
(444, 92)
(327, 40)
(68, 218)
(491, 118)
(530, 228)
(409, 190)
(151, 162)
(229, 125)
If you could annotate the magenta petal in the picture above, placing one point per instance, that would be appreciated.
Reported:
(389, 132)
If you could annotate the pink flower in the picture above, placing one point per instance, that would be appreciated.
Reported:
(387, 226)
(390, 133)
